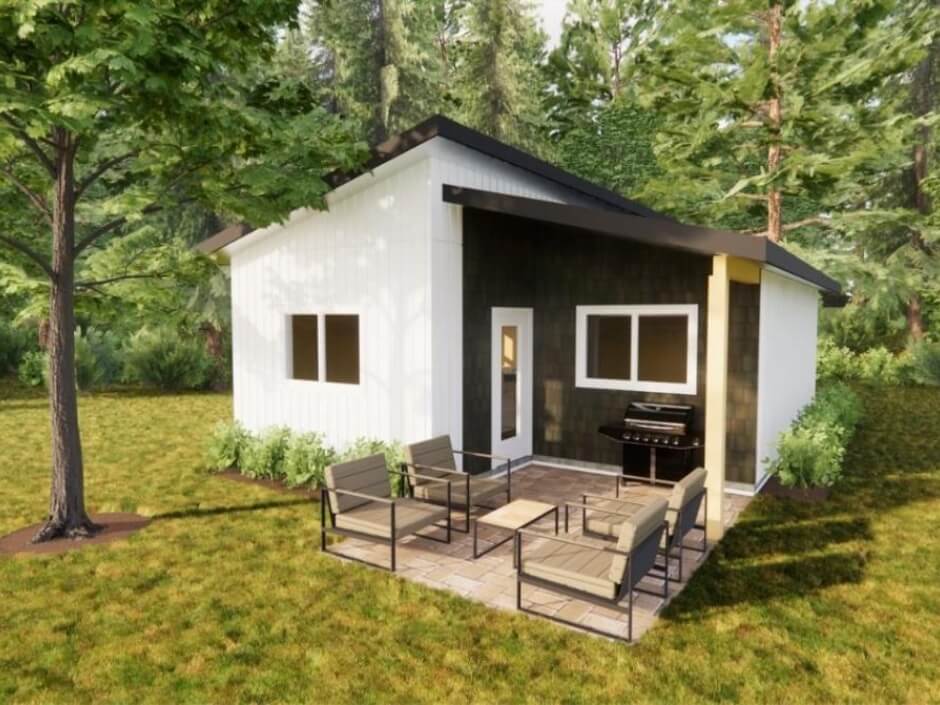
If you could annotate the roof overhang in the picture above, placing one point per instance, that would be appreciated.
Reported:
(657, 232)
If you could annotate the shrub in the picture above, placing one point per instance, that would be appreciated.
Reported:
(394, 457)
(14, 344)
(880, 366)
(263, 456)
(811, 452)
(925, 363)
(161, 358)
(32, 369)
(834, 362)
(96, 358)
(306, 458)
(226, 445)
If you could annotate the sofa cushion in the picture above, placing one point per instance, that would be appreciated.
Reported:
(434, 452)
(366, 475)
(578, 567)
(480, 489)
(635, 530)
(374, 518)
(683, 492)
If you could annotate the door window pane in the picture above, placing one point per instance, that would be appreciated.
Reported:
(608, 347)
(509, 380)
(663, 348)
(342, 348)
(304, 351)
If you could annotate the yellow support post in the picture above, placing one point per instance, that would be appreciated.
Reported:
(716, 392)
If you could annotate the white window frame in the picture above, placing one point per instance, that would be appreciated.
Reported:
(321, 346)
(690, 311)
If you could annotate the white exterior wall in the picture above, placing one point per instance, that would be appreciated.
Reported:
(368, 254)
(457, 165)
(390, 250)
(786, 369)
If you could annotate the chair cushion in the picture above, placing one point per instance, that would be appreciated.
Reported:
(480, 488)
(608, 525)
(434, 452)
(578, 567)
(683, 492)
(367, 475)
(375, 519)
(635, 530)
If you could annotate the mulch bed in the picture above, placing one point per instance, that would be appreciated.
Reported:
(809, 495)
(275, 485)
(117, 526)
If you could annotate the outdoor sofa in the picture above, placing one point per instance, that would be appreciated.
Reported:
(434, 459)
(598, 572)
(358, 499)
(602, 516)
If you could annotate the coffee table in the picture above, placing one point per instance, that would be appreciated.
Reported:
(516, 515)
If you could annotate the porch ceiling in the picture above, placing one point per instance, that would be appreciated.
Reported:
(657, 232)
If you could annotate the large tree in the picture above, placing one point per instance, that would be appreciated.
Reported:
(111, 111)
(779, 115)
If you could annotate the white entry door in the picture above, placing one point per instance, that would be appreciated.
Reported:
(512, 382)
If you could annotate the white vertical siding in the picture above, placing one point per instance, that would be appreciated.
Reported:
(786, 376)
(390, 250)
(367, 255)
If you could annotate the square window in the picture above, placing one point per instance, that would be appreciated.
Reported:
(342, 348)
(304, 347)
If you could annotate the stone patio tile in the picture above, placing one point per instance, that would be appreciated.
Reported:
(461, 583)
(604, 624)
(573, 610)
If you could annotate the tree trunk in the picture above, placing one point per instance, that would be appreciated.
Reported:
(915, 318)
(774, 117)
(67, 517)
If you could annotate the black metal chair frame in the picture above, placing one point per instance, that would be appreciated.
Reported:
(673, 542)
(390, 501)
(466, 479)
(625, 590)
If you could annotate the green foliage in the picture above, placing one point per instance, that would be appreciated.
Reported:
(811, 452)
(263, 456)
(925, 361)
(161, 358)
(226, 445)
(306, 458)
(393, 451)
(874, 366)
(615, 151)
(97, 358)
(32, 368)
(15, 342)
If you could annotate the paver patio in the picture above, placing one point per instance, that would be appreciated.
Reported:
(491, 578)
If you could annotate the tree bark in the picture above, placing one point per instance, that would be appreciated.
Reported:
(67, 517)
(774, 117)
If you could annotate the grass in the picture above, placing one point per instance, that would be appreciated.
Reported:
(224, 597)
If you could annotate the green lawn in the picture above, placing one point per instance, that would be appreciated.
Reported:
(224, 598)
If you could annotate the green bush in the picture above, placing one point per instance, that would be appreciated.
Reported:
(306, 458)
(96, 358)
(874, 366)
(925, 363)
(394, 456)
(226, 445)
(14, 344)
(32, 369)
(263, 456)
(811, 452)
(162, 358)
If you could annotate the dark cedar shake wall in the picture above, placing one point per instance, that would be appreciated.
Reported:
(741, 443)
(515, 262)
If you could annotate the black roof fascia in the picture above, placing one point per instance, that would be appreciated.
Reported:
(650, 231)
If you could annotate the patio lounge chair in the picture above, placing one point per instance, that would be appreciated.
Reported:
(358, 497)
(436, 458)
(602, 516)
(595, 572)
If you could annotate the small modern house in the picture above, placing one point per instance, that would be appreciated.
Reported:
(462, 286)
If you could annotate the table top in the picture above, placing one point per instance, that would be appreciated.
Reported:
(516, 514)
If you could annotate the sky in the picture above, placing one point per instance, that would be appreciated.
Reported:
(551, 12)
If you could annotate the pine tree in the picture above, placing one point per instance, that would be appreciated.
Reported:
(500, 85)
(778, 116)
